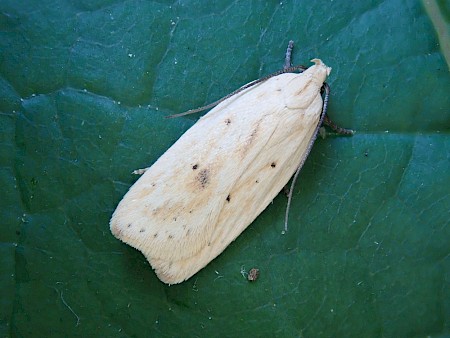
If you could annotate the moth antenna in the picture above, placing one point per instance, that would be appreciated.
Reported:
(288, 59)
(326, 89)
(237, 91)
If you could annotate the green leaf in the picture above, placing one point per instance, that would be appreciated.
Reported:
(84, 89)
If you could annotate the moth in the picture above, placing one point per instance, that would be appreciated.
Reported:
(223, 172)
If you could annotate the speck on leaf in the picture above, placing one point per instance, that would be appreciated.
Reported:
(253, 274)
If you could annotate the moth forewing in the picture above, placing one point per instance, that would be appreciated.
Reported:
(221, 174)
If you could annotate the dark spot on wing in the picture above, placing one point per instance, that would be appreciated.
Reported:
(227, 121)
(228, 198)
(195, 166)
(273, 165)
(203, 177)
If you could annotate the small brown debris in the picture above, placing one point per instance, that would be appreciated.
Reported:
(253, 274)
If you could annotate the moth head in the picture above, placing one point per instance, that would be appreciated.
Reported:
(301, 89)
(320, 64)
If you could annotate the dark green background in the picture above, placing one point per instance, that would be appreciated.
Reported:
(84, 87)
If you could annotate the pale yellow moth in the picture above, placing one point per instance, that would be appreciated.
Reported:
(222, 173)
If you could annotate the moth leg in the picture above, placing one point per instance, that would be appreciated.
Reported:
(326, 120)
(286, 190)
(288, 57)
(140, 171)
(336, 128)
